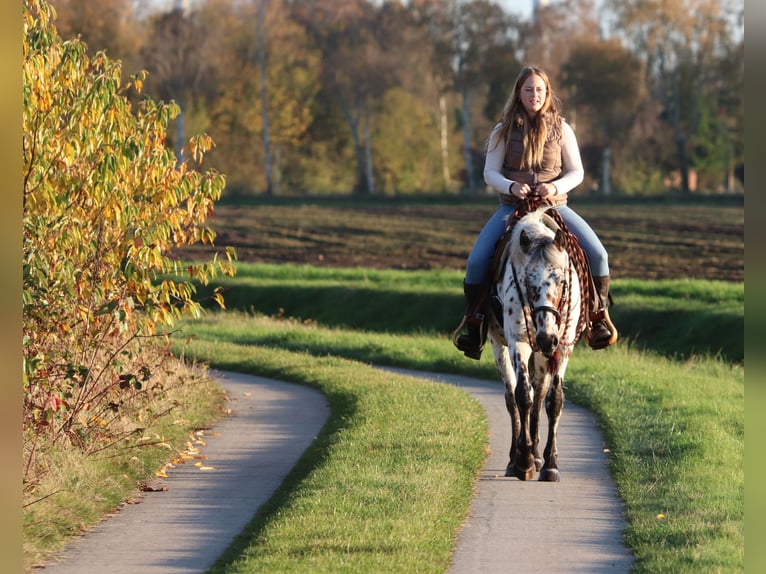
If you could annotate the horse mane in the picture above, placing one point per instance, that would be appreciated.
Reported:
(540, 230)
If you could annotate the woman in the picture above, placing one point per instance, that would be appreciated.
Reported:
(532, 151)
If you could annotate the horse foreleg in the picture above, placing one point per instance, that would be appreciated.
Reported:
(540, 381)
(507, 375)
(554, 403)
(513, 412)
(523, 466)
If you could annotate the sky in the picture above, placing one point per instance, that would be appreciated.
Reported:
(521, 7)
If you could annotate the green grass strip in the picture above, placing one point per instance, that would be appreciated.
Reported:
(677, 318)
(676, 432)
(386, 484)
(675, 429)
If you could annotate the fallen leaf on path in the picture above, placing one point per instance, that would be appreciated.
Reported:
(152, 487)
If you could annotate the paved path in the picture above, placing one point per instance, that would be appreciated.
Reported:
(571, 526)
(574, 525)
(186, 528)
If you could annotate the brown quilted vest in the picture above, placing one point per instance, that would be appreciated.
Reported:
(549, 170)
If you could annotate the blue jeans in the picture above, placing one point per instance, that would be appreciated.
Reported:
(480, 257)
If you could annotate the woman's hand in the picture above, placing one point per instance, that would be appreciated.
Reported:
(520, 190)
(546, 189)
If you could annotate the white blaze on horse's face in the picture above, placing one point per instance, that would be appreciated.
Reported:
(544, 299)
(545, 279)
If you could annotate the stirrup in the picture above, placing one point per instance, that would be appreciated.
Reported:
(601, 316)
(472, 352)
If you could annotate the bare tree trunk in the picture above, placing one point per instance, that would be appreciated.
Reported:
(444, 142)
(467, 139)
(260, 13)
(368, 157)
(359, 152)
(606, 183)
(679, 136)
(683, 163)
(277, 170)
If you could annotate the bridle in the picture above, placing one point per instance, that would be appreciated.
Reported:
(557, 312)
(548, 309)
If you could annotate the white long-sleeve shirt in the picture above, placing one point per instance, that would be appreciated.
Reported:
(572, 172)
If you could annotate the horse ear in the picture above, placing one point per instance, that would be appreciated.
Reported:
(524, 241)
(549, 222)
(560, 240)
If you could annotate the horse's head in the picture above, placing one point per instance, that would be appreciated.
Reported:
(542, 259)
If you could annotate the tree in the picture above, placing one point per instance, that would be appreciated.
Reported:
(604, 81)
(466, 35)
(680, 43)
(554, 29)
(355, 70)
(271, 77)
(260, 31)
(105, 25)
(407, 154)
(730, 111)
(175, 56)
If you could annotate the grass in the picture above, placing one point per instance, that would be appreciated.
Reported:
(674, 424)
(672, 317)
(388, 480)
(669, 396)
(676, 433)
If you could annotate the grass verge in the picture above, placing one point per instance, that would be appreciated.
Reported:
(675, 428)
(677, 318)
(387, 482)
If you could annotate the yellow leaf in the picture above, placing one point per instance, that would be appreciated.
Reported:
(161, 473)
(660, 516)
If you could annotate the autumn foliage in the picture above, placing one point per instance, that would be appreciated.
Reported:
(105, 205)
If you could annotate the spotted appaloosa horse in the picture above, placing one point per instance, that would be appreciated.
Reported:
(539, 291)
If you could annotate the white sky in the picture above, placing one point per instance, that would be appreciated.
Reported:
(521, 7)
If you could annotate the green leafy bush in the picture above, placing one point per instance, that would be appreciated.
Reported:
(106, 203)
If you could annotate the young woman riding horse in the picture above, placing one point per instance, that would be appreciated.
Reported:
(532, 154)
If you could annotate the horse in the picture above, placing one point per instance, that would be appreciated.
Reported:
(535, 320)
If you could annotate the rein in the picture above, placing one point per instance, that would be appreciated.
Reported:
(556, 312)
(577, 262)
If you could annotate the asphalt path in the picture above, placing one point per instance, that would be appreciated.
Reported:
(185, 528)
(574, 525)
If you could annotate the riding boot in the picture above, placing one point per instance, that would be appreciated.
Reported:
(472, 343)
(602, 331)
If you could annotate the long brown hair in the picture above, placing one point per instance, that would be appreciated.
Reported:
(535, 129)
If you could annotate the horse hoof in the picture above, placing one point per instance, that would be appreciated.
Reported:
(524, 473)
(538, 464)
(550, 475)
